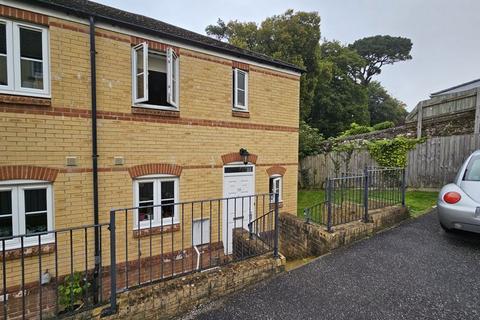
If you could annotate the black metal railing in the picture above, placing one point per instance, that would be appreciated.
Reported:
(351, 198)
(56, 273)
(50, 274)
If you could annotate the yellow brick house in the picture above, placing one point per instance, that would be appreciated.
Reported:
(105, 109)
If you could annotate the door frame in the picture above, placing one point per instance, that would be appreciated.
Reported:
(224, 209)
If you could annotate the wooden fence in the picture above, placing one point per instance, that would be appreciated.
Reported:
(430, 165)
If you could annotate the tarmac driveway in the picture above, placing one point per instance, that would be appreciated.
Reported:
(414, 271)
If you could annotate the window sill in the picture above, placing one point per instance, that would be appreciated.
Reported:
(172, 113)
(30, 251)
(280, 205)
(25, 100)
(240, 114)
(145, 232)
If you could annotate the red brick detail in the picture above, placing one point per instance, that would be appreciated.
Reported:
(276, 170)
(202, 57)
(13, 254)
(155, 168)
(154, 45)
(275, 74)
(240, 65)
(24, 15)
(86, 30)
(85, 113)
(235, 157)
(156, 230)
(25, 100)
(241, 114)
(155, 112)
(28, 173)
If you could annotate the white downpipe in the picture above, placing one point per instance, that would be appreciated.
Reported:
(198, 257)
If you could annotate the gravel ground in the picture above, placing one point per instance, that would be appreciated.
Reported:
(414, 271)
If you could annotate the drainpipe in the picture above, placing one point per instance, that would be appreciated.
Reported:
(93, 76)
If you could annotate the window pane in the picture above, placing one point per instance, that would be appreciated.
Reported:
(3, 71)
(241, 80)
(36, 222)
(3, 39)
(145, 191)
(35, 200)
(140, 86)
(168, 210)
(145, 212)
(168, 190)
(238, 169)
(30, 44)
(6, 226)
(240, 98)
(5, 202)
(139, 60)
(32, 74)
(473, 169)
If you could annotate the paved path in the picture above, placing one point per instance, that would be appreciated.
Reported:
(415, 271)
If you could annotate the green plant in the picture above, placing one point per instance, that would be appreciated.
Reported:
(356, 129)
(384, 125)
(310, 140)
(72, 292)
(392, 152)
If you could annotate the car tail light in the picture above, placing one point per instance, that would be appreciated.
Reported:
(452, 197)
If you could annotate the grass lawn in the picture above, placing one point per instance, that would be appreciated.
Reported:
(419, 202)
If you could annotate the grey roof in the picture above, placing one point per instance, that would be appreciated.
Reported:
(155, 27)
(461, 87)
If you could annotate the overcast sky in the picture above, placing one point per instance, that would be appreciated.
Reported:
(445, 33)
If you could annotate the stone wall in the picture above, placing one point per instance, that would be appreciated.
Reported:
(169, 299)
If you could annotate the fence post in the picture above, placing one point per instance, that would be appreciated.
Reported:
(275, 240)
(113, 265)
(307, 214)
(404, 185)
(365, 194)
(329, 205)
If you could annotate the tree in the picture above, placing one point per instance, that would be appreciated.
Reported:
(292, 37)
(379, 51)
(383, 107)
(310, 140)
(340, 99)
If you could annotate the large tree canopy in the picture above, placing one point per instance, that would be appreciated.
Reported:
(293, 37)
(379, 51)
(383, 107)
(339, 100)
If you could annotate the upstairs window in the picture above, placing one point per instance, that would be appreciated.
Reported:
(155, 78)
(155, 198)
(23, 59)
(240, 90)
(25, 209)
(275, 186)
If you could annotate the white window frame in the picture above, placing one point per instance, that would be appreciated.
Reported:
(18, 187)
(279, 178)
(13, 60)
(236, 106)
(173, 79)
(157, 181)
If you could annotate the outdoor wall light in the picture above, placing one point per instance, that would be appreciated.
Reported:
(244, 154)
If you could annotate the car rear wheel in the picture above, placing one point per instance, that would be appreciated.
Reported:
(448, 230)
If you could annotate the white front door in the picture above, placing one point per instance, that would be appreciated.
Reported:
(238, 210)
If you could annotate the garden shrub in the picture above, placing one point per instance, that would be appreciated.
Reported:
(383, 125)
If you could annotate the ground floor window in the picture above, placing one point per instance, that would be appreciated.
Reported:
(25, 208)
(275, 186)
(155, 198)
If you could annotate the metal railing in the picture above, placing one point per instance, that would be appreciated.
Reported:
(351, 198)
(56, 273)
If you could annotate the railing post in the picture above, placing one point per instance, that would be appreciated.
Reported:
(113, 265)
(307, 214)
(275, 240)
(365, 194)
(329, 205)
(404, 185)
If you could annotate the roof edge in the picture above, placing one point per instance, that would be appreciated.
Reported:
(454, 87)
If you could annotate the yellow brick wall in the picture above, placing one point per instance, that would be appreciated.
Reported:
(205, 93)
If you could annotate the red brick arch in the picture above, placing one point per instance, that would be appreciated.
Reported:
(155, 168)
(235, 157)
(276, 170)
(27, 172)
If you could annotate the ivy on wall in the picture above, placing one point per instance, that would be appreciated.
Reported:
(392, 152)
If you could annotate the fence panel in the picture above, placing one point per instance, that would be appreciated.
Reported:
(431, 164)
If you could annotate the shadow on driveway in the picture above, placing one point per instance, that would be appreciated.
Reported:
(414, 271)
